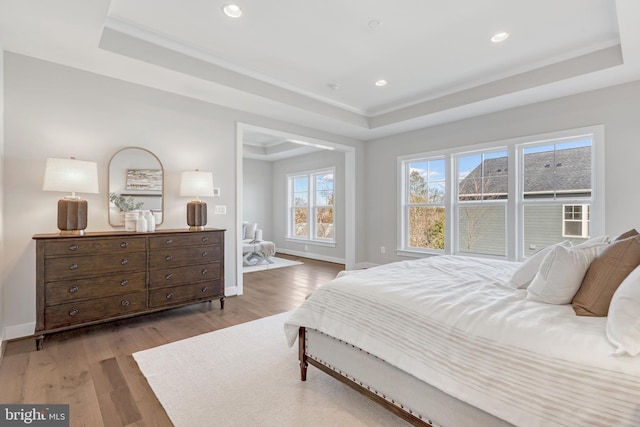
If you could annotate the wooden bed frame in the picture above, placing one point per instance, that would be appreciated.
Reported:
(401, 393)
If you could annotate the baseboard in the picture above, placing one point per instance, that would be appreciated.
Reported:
(364, 265)
(312, 256)
(19, 331)
(230, 291)
(3, 348)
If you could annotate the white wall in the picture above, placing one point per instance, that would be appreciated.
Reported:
(257, 195)
(309, 162)
(56, 111)
(617, 108)
(2, 240)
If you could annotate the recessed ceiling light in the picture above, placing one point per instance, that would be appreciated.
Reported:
(232, 10)
(381, 83)
(500, 37)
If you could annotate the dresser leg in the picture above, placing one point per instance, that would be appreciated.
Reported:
(222, 303)
(39, 342)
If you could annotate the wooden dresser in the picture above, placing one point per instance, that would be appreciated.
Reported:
(82, 280)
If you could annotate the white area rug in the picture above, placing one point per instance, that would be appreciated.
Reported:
(246, 375)
(277, 263)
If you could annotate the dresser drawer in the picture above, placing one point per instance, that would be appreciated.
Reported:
(88, 246)
(78, 266)
(59, 316)
(190, 292)
(170, 257)
(187, 239)
(178, 275)
(98, 287)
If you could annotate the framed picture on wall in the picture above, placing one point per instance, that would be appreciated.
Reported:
(144, 179)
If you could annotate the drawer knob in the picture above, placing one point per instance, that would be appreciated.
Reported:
(205, 289)
(124, 303)
(169, 295)
(124, 261)
(168, 258)
(73, 312)
(73, 267)
(168, 276)
(205, 239)
(73, 247)
(205, 253)
(124, 244)
(168, 242)
(125, 282)
(204, 271)
(73, 289)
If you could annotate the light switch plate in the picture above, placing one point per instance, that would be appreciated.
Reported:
(220, 210)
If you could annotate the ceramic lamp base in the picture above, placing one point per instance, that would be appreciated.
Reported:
(196, 215)
(72, 216)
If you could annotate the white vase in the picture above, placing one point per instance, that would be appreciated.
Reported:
(151, 221)
(130, 219)
(141, 224)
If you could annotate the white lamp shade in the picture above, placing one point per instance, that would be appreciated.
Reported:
(196, 184)
(70, 175)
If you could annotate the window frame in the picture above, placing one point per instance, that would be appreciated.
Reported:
(312, 207)
(457, 204)
(514, 204)
(408, 205)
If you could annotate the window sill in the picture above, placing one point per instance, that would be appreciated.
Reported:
(311, 242)
(417, 254)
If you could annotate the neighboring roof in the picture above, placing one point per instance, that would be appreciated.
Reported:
(568, 173)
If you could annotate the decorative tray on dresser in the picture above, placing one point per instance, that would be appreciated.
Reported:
(103, 276)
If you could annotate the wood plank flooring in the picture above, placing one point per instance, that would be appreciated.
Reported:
(93, 370)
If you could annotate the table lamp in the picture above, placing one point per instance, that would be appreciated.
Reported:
(72, 176)
(196, 184)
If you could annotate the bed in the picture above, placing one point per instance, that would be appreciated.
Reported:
(450, 341)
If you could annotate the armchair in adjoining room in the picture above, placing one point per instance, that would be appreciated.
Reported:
(254, 249)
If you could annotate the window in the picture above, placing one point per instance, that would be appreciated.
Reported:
(482, 202)
(507, 199)
(311, 206)
(424, 210)
(556, 190)
(576, 221)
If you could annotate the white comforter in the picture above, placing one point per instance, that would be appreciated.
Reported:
(452, 322)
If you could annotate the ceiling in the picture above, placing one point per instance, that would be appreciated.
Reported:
(272, 146)
(314, 63)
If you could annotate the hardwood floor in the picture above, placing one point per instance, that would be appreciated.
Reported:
(92, 369)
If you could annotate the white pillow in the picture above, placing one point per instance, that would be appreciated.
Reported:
(529, 267)
(561, 272)
(250, 230)
(594, 241)
(623, 321)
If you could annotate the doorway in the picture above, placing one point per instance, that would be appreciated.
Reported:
(265, 140)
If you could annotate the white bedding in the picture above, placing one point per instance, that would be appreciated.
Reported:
(452, 322)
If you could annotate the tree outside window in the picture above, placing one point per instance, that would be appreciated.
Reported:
(425, 205)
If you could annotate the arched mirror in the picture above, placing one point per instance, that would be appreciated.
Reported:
(136, 181)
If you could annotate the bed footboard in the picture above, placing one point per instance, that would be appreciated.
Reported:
(406, 396)
(302, 355)
(396, 407)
